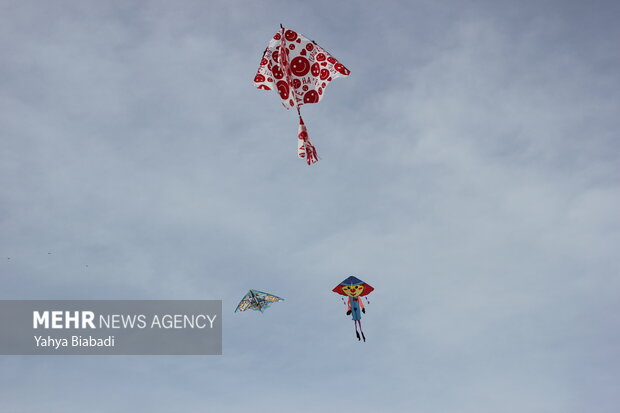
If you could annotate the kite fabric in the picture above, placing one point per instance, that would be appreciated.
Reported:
(354, 288)
(299, 70)
(257, 301)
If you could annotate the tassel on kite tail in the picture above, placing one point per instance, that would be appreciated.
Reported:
(305, 149)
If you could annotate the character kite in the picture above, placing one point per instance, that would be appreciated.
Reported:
(355, 288)
(257, 301)
(300, 70)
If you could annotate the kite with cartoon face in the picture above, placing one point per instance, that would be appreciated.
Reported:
(299, 70)
(354, 288)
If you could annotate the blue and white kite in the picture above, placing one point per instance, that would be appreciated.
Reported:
(257, 301)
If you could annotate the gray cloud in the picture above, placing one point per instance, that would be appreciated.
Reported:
(469, 173)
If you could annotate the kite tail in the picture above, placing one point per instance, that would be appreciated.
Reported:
(305, 148)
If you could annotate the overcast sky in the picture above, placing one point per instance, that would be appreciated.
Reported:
(469, 172)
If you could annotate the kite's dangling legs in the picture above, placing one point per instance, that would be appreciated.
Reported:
(357, 333)
(360, 324)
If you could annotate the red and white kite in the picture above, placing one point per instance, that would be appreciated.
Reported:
(300, 70)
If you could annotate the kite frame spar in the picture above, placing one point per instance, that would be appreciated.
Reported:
(257, 300)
